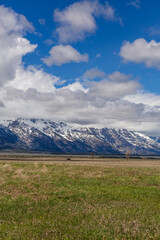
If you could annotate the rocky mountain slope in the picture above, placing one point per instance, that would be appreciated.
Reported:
(47, 136)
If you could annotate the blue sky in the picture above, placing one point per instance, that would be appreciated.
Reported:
(82, 57)
(138, 22)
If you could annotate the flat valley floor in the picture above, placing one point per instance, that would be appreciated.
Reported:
(50, 197)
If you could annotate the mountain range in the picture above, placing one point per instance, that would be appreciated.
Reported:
(39, 135)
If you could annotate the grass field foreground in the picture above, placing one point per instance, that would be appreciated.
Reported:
(63, 202)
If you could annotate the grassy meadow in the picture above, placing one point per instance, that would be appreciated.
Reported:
(70, 202)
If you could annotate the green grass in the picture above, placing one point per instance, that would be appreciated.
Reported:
(44, 201)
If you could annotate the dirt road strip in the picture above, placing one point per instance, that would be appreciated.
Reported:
(107, 162)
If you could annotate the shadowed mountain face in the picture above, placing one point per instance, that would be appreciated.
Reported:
(47, 136)
(8, 139)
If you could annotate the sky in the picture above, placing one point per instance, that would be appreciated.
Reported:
(87, 63)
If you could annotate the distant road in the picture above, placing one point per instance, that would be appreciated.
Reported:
(82, 160)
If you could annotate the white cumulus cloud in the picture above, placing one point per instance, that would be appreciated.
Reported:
(79, 19)
(94, 73)
(33, 78)
(119, 77)
(61, 54)
(13, 46)
(141, 51)
(12, 22)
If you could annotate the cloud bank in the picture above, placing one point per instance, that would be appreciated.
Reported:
(115, 100)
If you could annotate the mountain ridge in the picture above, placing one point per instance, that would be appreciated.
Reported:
(58, 137)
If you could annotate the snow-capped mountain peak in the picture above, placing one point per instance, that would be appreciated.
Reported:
(58, 136)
